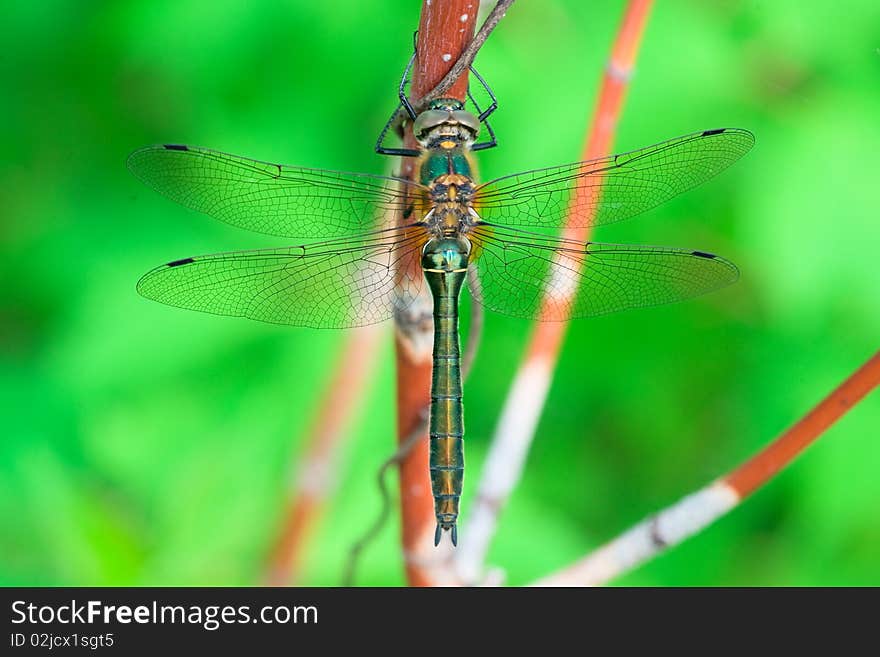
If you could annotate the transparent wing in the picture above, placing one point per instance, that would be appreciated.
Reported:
(612, 188)
(333, 284)
(528, 275)
(273, 198)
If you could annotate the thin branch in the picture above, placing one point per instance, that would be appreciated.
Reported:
(372, 532)
(467, 56)
(755, 472)
(698, 510)
(525, 401)
(315, 474)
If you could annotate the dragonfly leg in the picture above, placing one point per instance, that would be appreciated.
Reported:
(396, 120)
(404, 111)
(401, 90)
(483, 114)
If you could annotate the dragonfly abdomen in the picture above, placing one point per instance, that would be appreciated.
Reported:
(445, 265)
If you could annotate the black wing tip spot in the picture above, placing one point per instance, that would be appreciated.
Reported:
(716, 131)
(699, 254)
(182, 261)
(175, 147)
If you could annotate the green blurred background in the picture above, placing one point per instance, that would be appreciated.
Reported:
(145, 445)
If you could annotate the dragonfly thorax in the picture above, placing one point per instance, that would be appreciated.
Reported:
(452, 197)
(452, 188)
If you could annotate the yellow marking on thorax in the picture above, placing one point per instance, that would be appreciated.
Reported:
(448, 144)
(452, 179)
(450, 221)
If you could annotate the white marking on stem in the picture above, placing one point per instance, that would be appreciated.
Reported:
(648, 538)
(315, 476)
(433, 562)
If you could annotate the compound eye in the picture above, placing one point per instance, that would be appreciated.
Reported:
(467, 120)
(427, 121)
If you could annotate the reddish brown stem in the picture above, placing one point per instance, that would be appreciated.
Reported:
(453, 75)
(442, 37)
(548, 336)
(755, 472)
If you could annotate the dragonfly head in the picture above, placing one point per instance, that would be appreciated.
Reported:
(445, 119)
(446, 254)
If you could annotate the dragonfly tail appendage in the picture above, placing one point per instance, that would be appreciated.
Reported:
(445, 526)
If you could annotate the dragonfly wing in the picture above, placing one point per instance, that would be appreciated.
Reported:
(612, 188)
(529, 275)
(333, 284)
(273, 198)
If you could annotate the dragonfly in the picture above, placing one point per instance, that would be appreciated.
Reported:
(372, 243)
